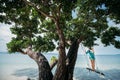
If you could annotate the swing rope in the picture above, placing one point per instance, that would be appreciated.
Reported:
(88, 64)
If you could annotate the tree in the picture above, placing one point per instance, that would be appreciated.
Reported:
(48, 24)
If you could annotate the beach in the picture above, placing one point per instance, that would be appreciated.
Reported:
(21, 67)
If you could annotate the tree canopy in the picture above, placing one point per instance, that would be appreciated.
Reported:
(35, 22)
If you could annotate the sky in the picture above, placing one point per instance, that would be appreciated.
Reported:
(5, 37)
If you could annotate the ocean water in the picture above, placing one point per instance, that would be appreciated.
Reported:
(20, 67)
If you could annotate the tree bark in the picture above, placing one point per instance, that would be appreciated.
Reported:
(61, 66)
(43, 64)
(71, 58)
(44, 68)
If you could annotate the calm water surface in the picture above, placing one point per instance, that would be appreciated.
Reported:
(20, 67)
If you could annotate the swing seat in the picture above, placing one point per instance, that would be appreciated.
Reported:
(96, 71)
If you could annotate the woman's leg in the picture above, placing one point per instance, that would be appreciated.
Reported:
(93, 64)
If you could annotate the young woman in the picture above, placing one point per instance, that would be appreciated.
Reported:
(91, 55)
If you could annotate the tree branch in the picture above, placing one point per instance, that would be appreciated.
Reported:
(80, 39)
(21, 51)
(53, 64)
(39, 10)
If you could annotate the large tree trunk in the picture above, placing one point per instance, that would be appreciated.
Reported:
(61, 66)
(44, 68)
(71, 58)
(43, 65)
(61, 69)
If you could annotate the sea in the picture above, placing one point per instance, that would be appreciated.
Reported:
(21, 67)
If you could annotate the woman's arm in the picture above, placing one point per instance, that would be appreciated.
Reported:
(93, 50)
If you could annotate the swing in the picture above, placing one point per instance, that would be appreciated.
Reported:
(88, 68)
(96, 71)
